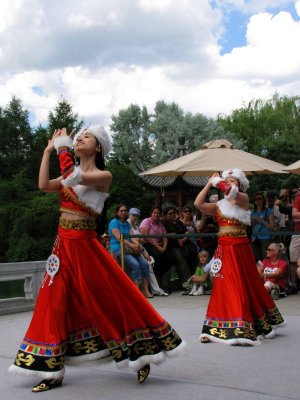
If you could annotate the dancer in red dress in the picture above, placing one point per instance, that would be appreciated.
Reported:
(240, 310)
(87, 307)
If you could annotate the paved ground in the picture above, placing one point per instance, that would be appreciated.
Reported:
(204, 371)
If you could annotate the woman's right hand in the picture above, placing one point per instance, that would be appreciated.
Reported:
(214, 175)
(57, 132)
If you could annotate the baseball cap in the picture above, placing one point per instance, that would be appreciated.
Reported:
(134, 211)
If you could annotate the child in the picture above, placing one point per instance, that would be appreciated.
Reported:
(201, 279)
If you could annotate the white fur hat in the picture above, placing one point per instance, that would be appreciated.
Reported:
(100, 134)
(237, 174)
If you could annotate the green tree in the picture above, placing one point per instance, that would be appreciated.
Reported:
(15, 139)
(133, 142)
(142, 140)
(267, 126)
(127, 188)
(63, 117)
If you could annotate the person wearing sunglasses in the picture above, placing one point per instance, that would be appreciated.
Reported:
(240, 311)
(262, 221)
(134, 260)
(274, 271)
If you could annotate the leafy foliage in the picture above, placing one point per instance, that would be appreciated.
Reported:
(141, 140)
(127, 188)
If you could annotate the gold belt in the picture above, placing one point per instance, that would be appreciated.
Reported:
(236, 233)
(78, 224)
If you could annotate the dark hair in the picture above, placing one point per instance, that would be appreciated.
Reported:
(117, 208)
(187, 207)
(264, 200)
(168, 208)
(155, 208)
(101, 220)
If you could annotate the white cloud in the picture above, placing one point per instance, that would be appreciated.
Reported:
(79, 20)
(156, 5)
(103, 56)
(297, 7)
(271, 50)
(9, 10)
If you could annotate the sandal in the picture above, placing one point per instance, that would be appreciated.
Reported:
(143, 373)
(46, 384)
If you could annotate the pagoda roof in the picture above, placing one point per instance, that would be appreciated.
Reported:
(173, 181)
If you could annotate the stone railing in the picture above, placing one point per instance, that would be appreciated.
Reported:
(28, 276)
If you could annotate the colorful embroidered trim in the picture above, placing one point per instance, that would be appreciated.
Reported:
(50, 358)
(144, 342)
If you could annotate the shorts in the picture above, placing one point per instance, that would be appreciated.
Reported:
(295, 248)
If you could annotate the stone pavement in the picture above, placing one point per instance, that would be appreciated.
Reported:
(203, 371)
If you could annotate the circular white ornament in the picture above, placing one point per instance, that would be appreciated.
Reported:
(216, 266)
(52, 266)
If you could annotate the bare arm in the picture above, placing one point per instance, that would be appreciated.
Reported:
(242, 200)
(44, 183)
(117, 234)
(295, 213)
(206, 208)
(97, 178)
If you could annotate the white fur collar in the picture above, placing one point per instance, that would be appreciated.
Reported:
(233, 211)
(91, 197)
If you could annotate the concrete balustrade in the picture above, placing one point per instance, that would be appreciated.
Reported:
(31, 272)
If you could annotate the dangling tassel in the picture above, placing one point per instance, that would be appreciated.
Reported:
(52, 264)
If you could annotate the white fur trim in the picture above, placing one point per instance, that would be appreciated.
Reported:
(233, 211)
(62, 141)
(74, 178)
(282, 325)
(233, 192)
(231, 342)
(216, 180)
(91, 197)
(178, 350)
(99, 355)
(102, 136)
(270, 335)
(39, 374)
(155, 359)
(239, 175)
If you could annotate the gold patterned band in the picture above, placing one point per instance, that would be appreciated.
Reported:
(79, 224)
(232, 231)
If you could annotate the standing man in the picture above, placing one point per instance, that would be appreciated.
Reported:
(295, 244)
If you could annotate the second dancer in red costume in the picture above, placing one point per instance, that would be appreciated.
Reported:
(87, 307)
(240, 310)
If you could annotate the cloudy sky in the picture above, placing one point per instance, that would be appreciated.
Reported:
(102, 55)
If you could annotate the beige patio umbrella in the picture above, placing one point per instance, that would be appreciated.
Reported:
(294, 168)
(216, 155)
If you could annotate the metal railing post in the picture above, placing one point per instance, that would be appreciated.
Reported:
(122, 247)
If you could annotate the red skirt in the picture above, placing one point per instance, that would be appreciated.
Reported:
(240, 309)
(91, 310)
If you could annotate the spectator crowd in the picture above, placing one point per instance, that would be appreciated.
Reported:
(172, 255)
